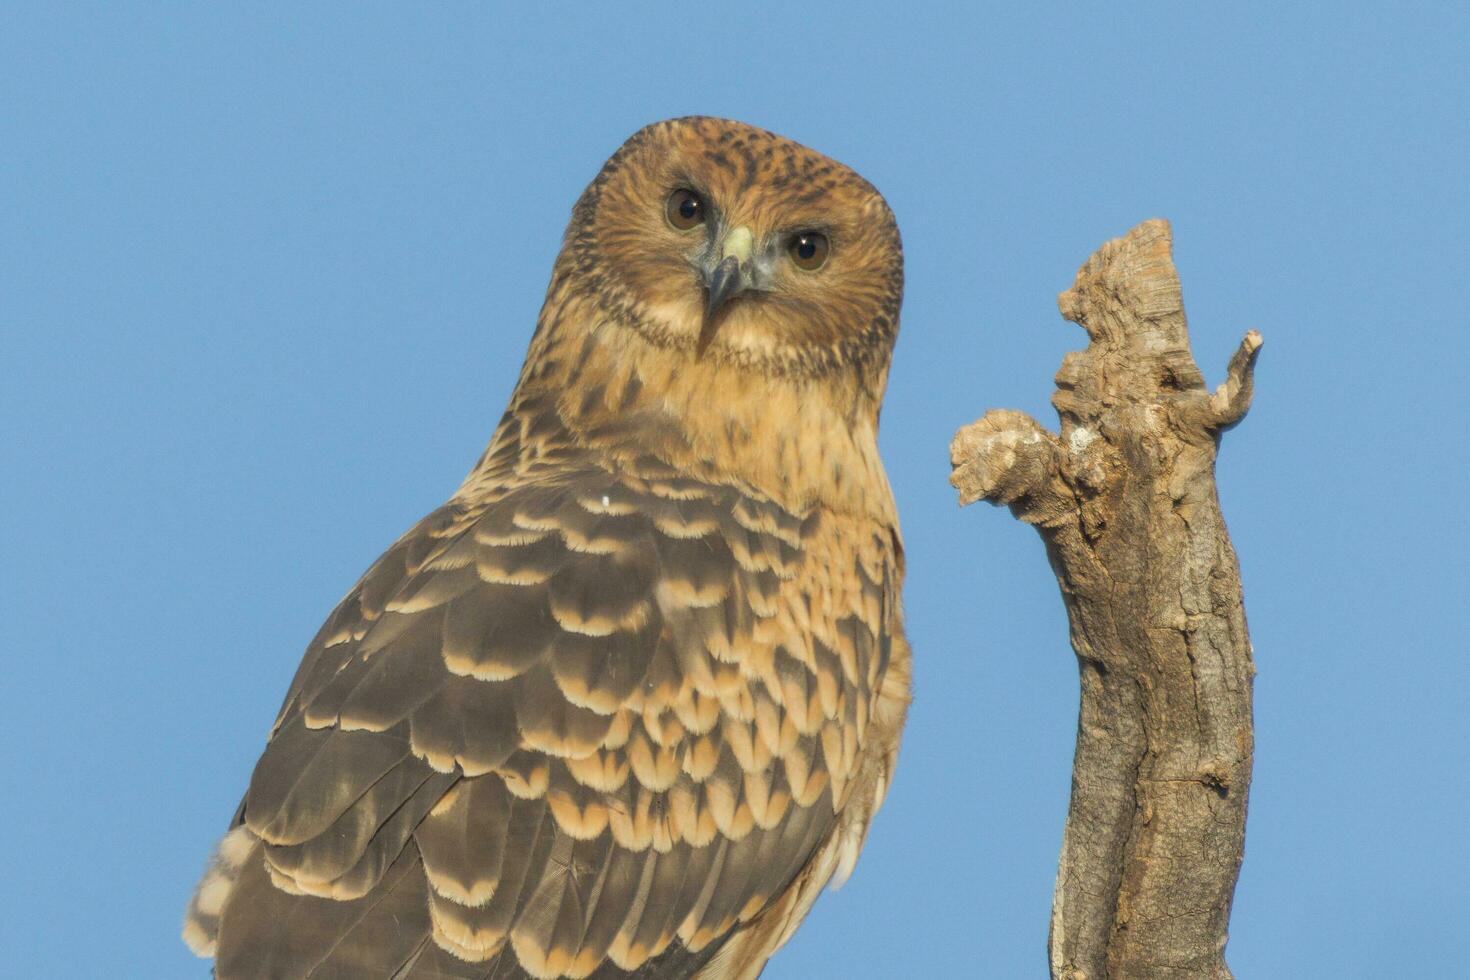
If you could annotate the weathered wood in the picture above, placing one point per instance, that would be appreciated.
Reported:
(1125, 501)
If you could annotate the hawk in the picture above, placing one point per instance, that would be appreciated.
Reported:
(627, 702)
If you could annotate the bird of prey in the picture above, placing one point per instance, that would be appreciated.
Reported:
(627, 702)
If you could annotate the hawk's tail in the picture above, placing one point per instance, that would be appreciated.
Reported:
(201, 918)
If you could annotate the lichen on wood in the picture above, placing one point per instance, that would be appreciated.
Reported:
(1124, 498)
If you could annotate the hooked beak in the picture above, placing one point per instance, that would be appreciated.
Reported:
(723, 283)
(730, 277)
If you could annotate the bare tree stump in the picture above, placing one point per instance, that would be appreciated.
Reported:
(1125, 501)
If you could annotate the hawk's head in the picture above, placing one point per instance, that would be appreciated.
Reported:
(735, 245)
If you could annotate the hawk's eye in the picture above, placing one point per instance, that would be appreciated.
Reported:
(685, 210)
(808, 250)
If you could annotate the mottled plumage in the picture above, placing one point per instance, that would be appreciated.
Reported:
(627, 702)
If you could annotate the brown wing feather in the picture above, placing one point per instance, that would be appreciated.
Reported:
(593, 724)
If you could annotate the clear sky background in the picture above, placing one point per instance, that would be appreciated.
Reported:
(267, 275)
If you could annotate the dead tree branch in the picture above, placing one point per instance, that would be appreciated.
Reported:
(1125, 500)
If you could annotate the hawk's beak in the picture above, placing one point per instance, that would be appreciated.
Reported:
(723, 284)
(730, 277)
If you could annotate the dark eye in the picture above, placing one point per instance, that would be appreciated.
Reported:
(685, 210)
(808, 250)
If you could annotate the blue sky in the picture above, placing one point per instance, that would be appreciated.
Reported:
(267, 276)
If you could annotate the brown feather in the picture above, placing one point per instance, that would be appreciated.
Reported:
(463, 840)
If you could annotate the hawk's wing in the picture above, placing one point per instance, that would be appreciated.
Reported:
(599, 717)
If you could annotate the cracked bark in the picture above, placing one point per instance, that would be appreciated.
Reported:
(1125, 501)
